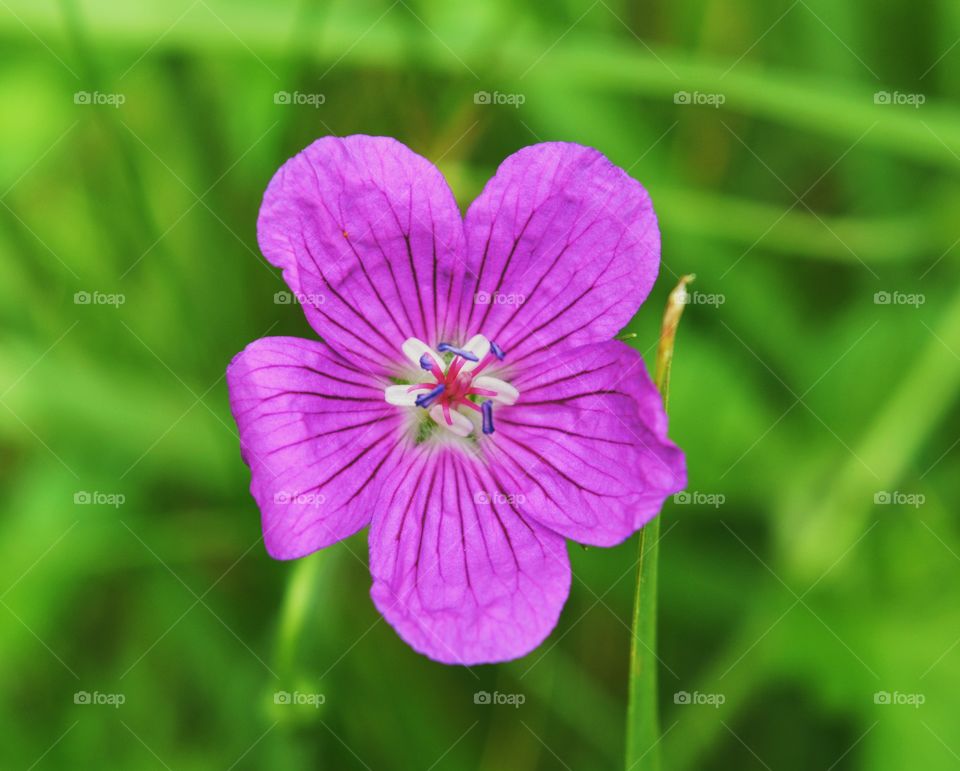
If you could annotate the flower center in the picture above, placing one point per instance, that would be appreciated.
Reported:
(455, 393)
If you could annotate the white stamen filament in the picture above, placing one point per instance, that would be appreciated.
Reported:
(454, 408)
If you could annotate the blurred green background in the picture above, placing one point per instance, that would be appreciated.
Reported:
(803, 158)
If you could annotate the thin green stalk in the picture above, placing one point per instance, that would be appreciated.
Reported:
(298, 602)
(643, 724)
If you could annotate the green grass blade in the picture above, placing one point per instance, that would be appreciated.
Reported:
(643, 723)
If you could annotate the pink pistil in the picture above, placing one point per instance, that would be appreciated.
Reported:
(455, 386)
(483, 363)
(428, 386)
(435, 370)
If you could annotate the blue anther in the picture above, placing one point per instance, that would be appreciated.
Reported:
(444, 347)
(497, 351)
(487, 409)
(426, 362)
(425, 400)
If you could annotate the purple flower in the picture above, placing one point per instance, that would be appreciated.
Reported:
(467, 401)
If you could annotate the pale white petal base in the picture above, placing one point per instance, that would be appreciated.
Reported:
(401, 395)
(506, 393)
(461, 425)
(479, 346)
(414, 349)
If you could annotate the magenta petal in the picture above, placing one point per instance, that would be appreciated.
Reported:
(370, 238)
(316, 432)
(561, 246)
(587, 444)
(462, 576)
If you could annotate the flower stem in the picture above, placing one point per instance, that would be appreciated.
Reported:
(302, 583)
(643, 724)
